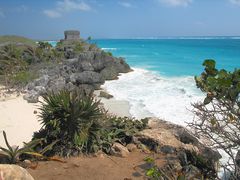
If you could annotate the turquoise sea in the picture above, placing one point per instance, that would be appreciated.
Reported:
(175, 57)
(162, 82)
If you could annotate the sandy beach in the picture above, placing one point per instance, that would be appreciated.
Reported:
(19, 121)
(113, 106)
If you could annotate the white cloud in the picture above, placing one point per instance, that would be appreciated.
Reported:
(66, 6)
(125, 4)
(175, 3)
(52, 13)
(236, 2)
(70, 5)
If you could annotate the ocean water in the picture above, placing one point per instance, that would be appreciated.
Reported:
(162, 83)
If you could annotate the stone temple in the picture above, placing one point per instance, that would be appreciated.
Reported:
(71, 35)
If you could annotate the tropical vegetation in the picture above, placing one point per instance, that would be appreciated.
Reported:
(218, 116)
(77, 120)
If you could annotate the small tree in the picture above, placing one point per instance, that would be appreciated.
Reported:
(218, 117)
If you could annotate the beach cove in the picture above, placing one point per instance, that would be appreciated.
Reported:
(122, 91)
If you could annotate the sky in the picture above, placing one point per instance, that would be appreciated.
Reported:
(47, 19)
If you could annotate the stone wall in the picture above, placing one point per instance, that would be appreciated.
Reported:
(72, 35)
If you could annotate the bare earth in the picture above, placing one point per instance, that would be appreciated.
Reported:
(101, 167)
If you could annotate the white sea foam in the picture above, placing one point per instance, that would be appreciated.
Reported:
(109, 49)
(151, 94)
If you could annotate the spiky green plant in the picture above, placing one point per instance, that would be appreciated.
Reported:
(13, 153)
(73, 118)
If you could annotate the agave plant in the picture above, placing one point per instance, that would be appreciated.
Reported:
(73, 118)
(13, 153)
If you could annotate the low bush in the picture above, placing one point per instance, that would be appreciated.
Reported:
(80, 125)
(71, 117)
(22, 78)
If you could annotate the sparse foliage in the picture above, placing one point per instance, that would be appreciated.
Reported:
(81, 126)
(218, 117)
(13, 153)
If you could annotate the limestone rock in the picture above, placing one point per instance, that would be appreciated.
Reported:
(85, 68)
(131, 147)
(169, 138)
(57, 84)
(109, 73)
(105, 95)
(31, 97)
(119, 150)
(86, 77)
(14, 172)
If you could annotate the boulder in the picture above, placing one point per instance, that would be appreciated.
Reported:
(119, 150)
(131, 147)
(105, 95)
(86, 56)
(109, 73)
(86, 77)
(69, 53)
(97, 64)
(14, 172)
(42, 81)
(31, 96)
(57, 84)
(86, 66)
(40, 90)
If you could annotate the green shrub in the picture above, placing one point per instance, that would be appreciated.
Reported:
(153, 172)
(81, 126)
(44, 45)
(107, 53)
(73, 118)
(218, 116)
(118, 129)
(23, 77)
(78, 47)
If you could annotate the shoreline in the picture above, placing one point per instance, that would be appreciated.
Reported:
(114, 107)
(18, 120)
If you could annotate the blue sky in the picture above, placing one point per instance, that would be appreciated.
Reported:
(47, 19)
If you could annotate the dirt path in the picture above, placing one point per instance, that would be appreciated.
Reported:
(101, 167)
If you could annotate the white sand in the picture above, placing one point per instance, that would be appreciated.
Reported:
(18, 120)
(114, 107)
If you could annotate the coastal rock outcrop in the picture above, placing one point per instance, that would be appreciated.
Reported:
(86, 68)
(174, 140)
(14, 172)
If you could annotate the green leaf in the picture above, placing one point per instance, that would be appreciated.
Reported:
(149, 160)
(209, 63)
(6, 141)
(150, 172)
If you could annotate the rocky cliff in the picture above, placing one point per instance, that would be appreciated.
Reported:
(84, 66)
